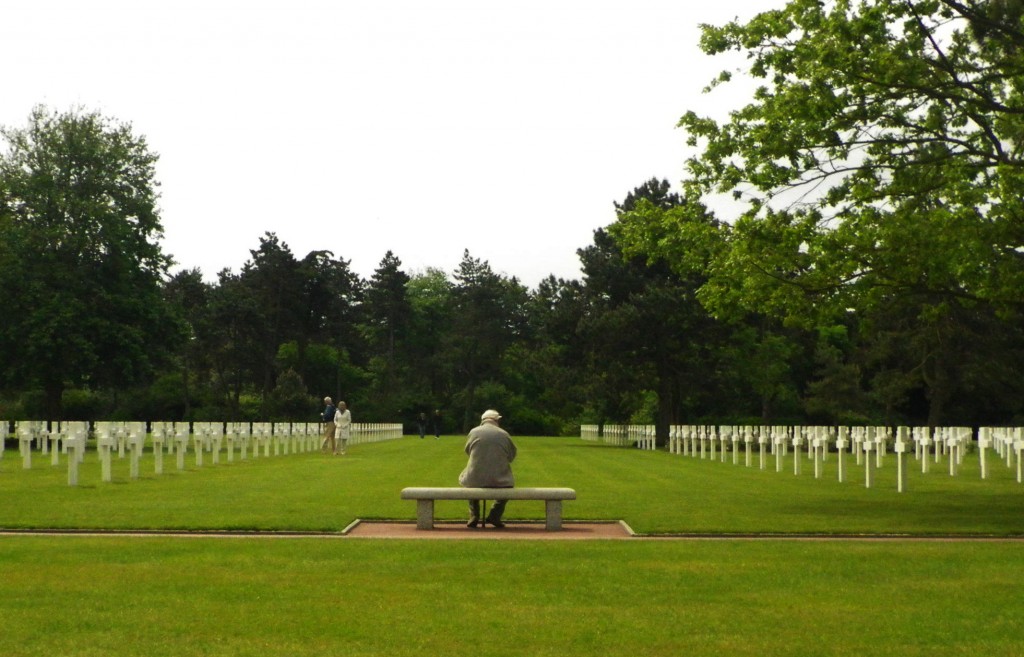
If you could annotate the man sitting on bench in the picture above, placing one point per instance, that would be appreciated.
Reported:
(491, 453)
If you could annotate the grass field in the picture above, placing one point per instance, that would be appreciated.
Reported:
(89, 595)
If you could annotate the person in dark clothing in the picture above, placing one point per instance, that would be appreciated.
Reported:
(437, 423)
(329, 427)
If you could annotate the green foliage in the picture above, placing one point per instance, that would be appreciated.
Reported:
(646, 408)
(84, 405)
(388, 320)
(763, 357)
(877, 156)
(836, 391)
(487, 318)
(290, 400)
(80, 269)
(875, 173)
(166, 397)
(647, 327)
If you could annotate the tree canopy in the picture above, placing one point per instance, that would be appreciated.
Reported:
(877, 170)
(881, 155)
(80, 266)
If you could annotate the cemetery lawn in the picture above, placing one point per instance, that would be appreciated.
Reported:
(81, 595)
(156, 597)
(654, 492)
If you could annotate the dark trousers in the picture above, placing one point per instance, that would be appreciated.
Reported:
(496, 511)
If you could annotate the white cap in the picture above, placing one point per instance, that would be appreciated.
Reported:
(490, 415)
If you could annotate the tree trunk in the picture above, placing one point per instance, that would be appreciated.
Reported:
(666, 404)
(766, 409)
(185, 387)
(939, 392)
(53, 392)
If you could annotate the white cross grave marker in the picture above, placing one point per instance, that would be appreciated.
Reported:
(901, 458)
(841, 443)
(867, 446)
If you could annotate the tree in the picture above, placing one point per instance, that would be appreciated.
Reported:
(388, 316)
(387, 306)
(81, 266)
(289, 400)
(645, 323)
(282, 314)
(230, 341)
(331, 300)
(547, 370)
(836, 395)
(879, 161)
(331, 310)
(488, 315)
(188, 296)
(643, 330)
(940, 359)
(881, 152)
(273, 279)
(430, 298)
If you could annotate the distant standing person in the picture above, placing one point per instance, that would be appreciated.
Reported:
(343, 420)
(329, 427)
(491, 452)
(421, 424)
(437, 423)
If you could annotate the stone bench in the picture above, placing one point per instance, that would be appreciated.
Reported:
(552, 498)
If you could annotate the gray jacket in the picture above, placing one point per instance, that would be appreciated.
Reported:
(491, 453)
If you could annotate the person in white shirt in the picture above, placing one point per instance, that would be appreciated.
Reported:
(343, 422)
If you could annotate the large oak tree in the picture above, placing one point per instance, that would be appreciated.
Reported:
(80, 265)
(880, 161)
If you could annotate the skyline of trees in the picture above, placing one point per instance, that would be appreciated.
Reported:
(869, 272)
(627, 342)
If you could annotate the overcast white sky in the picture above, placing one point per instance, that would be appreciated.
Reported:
(423, 127)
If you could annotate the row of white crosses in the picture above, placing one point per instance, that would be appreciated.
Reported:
(27, 433)
(1006, 442)
(375, 432)
(868, 445)
(119, 435)
(215, 438)
(641, 435)
(613, 434)
(211, 438)
(70, 435)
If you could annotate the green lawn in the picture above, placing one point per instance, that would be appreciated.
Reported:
(654, 492)
(86, 595)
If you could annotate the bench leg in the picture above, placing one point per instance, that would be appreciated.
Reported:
(552, 515)
(424, 514)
